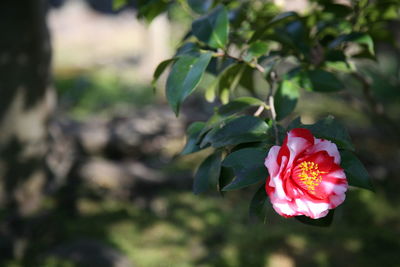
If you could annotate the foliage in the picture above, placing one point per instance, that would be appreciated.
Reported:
(315, 51)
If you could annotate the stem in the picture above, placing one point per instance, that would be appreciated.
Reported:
(272, 105)
(254, 65)
(259, 111)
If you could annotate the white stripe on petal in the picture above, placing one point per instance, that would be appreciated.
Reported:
(328, 187)
(271, 161)
(336, 200)
(328, 146)
(312, 209)
(284, 209)
(340, 189)
(338, 174)
(296, 145)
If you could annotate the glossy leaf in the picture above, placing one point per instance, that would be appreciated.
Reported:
(247, 79)
(188, 49)
(193, 132)
(229, 80)
(355, 171)
(208, 173)
(337, 9)
(200, 6)
(149, 10)
(323, 81)
(213, 28)
(239, 104)
(256, 50)
(283, 17)
(225, 177)
(184, 77)
(355, 37)
(161, 68)
(212, 126)
(240, 130)
(248, 167)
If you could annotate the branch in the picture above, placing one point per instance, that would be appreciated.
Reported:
(273, 78)
(252, 64)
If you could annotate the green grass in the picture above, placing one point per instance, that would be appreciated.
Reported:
(100, 93)
(181, 229)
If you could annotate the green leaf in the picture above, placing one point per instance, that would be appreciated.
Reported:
(225, 177)
(209, 93)
(229, 80)
(327, 128)
(248, 167)
(285, 16)
(338, 10)
(340, 66)
(323, 81)
(322, 222)
(293, 35)
(205, 138)
(188, 48)
(184, 77)
(208, 173)
(247, 80)
(256, 50)
(193, 132)
(200, 6)
(118, 4)
(355, 37)
(239, 104)
(259, 203)
(212, 124)
(240, 130)
(160, 69)
(150, 9)
(213, 28)
(286, 96)
(355, 171)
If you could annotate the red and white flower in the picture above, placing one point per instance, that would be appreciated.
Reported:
(305, 177)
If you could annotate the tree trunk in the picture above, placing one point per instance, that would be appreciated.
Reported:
(25, 104)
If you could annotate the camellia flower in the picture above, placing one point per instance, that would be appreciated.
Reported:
(305, 177)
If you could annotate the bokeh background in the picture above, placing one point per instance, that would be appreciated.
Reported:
(108, 187)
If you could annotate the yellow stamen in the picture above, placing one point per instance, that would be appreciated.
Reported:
(310, 175)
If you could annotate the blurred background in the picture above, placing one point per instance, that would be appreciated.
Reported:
(89, 168)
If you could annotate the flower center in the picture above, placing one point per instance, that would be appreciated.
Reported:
(310, 175)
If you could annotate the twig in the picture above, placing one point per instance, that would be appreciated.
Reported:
(253, 64)
(272, 105)
(259, 111)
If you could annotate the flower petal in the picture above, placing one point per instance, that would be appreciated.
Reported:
(325, 145)
(271, 161)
